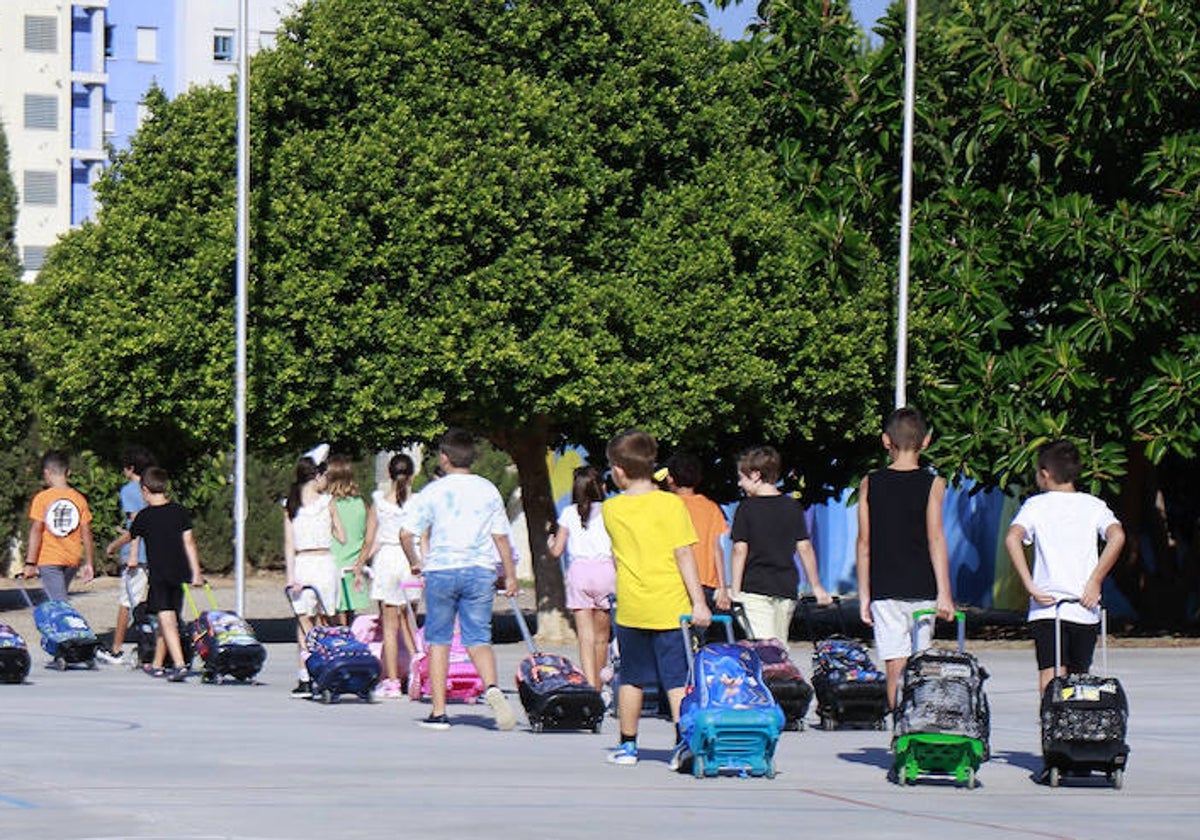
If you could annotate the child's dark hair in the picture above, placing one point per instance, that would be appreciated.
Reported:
(138, 458)
(587, 491)
(458, 445)
(56, 461)
(1061, 459)
(906, 427)
(340, 472)
(763, 460)
(154, 479)
(306, 470)
(634, 451)
(400, 468)
(685, 469)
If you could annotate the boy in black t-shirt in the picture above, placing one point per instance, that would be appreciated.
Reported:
(902, 559)
(768, 531)
(172, 561)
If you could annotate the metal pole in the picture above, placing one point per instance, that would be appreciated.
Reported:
(243, 252)
(906, 167)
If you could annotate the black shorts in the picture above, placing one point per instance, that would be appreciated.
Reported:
(1078, 643)
(164, 597)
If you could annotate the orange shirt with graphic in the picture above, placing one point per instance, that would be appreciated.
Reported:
(62, 511)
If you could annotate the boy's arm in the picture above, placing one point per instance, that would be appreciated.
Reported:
(34, 546)
(504, 547)
(862, 555)
(808, 559)
(193, 556)
(737, 562)
(123, 538)
(1114, 541)
(88, 571)
(939, 554)
(721, 596)
(685, 558)
(1014, 541)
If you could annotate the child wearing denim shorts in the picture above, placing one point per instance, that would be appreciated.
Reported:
(467, 525)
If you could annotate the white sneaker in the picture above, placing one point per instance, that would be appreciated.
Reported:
(505, 717)
(626, 754)
(110, 657)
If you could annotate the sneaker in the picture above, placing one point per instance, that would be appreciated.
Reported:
(501, 709)
(681, 758)
(177, 674)
(626, 754)
(302, 691)
(389, 690)
(439, 722)
(110, 657)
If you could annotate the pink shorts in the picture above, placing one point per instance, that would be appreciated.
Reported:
(590, 583)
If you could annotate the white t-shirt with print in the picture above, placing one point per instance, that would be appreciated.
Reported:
(461, 511)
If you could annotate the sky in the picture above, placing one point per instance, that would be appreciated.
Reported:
(732, 22)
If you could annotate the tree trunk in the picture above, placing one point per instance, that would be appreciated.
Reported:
(529, 447)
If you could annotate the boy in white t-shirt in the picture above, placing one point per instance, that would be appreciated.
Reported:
(1064, 526)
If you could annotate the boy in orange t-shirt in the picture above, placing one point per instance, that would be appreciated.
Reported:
(683, 475)
(60, 530)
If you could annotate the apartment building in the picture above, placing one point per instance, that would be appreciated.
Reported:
(74, 78)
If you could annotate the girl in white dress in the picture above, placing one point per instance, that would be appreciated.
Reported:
(390, 569)
(309, 526)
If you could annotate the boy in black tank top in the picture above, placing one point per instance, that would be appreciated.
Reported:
(903, 563)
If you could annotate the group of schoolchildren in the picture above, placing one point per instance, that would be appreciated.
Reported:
(654, 546)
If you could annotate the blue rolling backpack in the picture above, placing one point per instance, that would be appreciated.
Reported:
(728, 718)
(338, 663)
(66, 636)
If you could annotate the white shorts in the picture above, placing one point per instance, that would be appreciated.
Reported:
(894, 625)
(389, 570)
(139, 584)
(319, 571)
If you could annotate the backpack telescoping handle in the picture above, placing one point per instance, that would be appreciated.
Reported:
(288, 590)
(212, 601)
(520, 616)
(24, 591)
(685, 627)
(960, 619)
(806, 602)
(1058, 635)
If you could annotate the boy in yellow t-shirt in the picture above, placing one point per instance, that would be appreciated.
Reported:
(657, 581)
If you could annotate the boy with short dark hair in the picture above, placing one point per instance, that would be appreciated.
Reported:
(60, 529)
(467, 527)
(768, 532)
(657, 582)
(1063, 526)
(171, 560)
(134, 461)
(684, 473)
(903, 562)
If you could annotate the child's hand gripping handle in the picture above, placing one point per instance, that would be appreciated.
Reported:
(959, 616)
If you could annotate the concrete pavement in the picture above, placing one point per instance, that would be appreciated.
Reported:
(115, 754)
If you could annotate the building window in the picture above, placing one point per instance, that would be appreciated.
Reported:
(147, 44)
(108, 42)
(41, 34)
(41, 188)
(142, 114)
(34, 257)
(110, 119)
(41, 112)
(223, 45)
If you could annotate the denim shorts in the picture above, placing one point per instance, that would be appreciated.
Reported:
(466, 593)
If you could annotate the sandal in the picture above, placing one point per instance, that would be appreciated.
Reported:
(154, 671)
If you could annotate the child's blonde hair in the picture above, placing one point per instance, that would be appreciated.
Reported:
(340, 475)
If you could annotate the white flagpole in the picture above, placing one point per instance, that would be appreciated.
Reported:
(906, 174)
(243, 249)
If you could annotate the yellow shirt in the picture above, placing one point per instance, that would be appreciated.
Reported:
(645, 531)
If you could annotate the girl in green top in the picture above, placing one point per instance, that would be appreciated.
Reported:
(352, 510)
